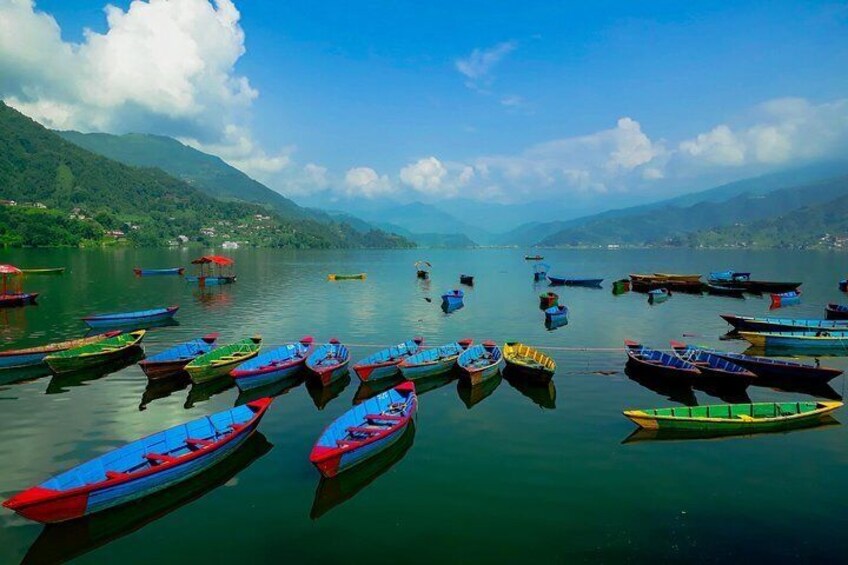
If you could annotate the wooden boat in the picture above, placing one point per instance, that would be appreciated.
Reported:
(649, 284)
(560, 281)
(734, 418)
(158, 272)
(480, 362)
(44, 271)
(621, 286)
(658, 295)
(346, 277)
(836, 312)
(329, 362)
(212, 270)
(677, 277)
(33, 356)
(834, 341)
(548, 300)
(93, 354)
(172, 361)
(658, 363)
(384, 364)
(790, 298)
(767, 286)
(722, 277)
(140, 468)
(710, 365)
(365, 430)
(780, 369)
(453, 297)
(135, 319)
(557, 314)
(422, 269)
(725, 290)
(272, 366)
(11, 293)
(540, 271)
(755, 324)
(528, 362)
(467, 280)
(221, 360)
(434, 361)
(533, 257)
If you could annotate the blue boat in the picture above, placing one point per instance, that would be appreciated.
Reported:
(790, 298)
(384, 364)
(574, 281)
(158, 272)
(557, 315)
(715, 366)
(540, 271)
(453, 297)
(768, 324)
(34, 356)
(365, 430)
(843, 285)
(729, 276)
(481, 362)
(658, 295)
(833, 341)
(135, 319)
(140, 468)
(172, 361)
(434, 361)
(272, 366)
(329, 362)
(780, 369)
(659, 364)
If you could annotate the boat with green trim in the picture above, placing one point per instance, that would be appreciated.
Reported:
(528, 362)
(94, 354)
(34, 356)
(221, 360)
(44, 271)
(734, 418)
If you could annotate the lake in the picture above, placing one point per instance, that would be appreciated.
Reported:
(498, 474)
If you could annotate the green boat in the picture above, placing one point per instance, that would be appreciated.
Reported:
(93, 354)
(220, 361)
(734, 418)
(44, 271)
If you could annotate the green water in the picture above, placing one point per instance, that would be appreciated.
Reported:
(500, 474)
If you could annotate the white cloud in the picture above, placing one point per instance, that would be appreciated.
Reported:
(481, 61)
(719, 146)
(364, 181)
(432, 177)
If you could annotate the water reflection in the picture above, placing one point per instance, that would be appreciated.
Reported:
(371, 389)
(449, 307)
(24, 374)
(816, 390)
(333, 492)
(59, 543)
(427, 384)
(322, 395)
(64, 381)
(202, 392)
(473, 395)
(675, 391)
(213, 297)
(542, 394)
(730, 393)
(271, 390)
(132, 326)
(163, 388)
(644, 435)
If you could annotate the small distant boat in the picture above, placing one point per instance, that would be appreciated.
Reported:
(710, 365)
(767, 286)
(557, 315)
(790, 298)
(346, 277)
(843, 285)
(621, 286)
(529, 362)
(725, 290)
(9, 299)
(44, 271)
(140, 468)
(480, 362)
(93, 354)
(221, 360)
(559, 281)
(329, 362)
(676, 277)
(12, 294)
(384, 364)
(173, 360)
(836, 312)
(422, 269)
(769, 368)
(466, 280)
(533, 257)
(158, 272)
(767, 324)
(733, 418)
(212, 270)
(548, 299)
(658, 295)
(453, 297)
(540, 271)
(433, 361)
(721, 277)
(827, 340)
(365, 430)
(272, 366)
(136, 318)
(31, 356)
(658, 363)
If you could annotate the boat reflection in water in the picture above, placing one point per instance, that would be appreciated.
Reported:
(680, 392)
(61, 383)
(449, 307)
(429, 384)
(166, 323)
(200, 393)
(24, 374)
(816, 390)
(645, 435)
(213, 297)
(730, 393)
(370, 389)
(63, 542)
(473, 395)
(544, 395)
(271, 390)
(322, 395)
(333, 492)
(163, 388)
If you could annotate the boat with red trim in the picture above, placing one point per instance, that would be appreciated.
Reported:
(780, 369)
(480, 362)
(658, 363)
(329, 362)
(433, 361)
(11, 291)
(365, 430)
(384, 364)
(173, 360)
(140, 468)
(273, 366)
(713, 366)
(31, 356)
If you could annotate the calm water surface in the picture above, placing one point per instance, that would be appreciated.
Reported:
(494, 474)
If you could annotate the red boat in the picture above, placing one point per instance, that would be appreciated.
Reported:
(11, 293)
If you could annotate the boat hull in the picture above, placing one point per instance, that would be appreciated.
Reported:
(135, 321)
(834, 312)
(46, 271)
(378, 372)
(767, 368)
(22, 360)
(159, 272)
(329, 376)
(259, 379)
(786, 341)
(478, 376)
(205, 373)
(424, 370)
(163, 369)
(210, 281)
(743, 323)
(17, 299)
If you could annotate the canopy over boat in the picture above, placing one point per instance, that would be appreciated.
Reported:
(216, 259)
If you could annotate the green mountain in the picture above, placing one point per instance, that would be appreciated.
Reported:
(68, 196)
(207, 173)
(671, 222)
(418, 219)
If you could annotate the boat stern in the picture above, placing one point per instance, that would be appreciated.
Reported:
(642, 419)
(48, 506)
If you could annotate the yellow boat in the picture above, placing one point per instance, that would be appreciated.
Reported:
(530, 362)
(356, 276)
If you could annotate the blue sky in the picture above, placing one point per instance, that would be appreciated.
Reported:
(346, 86)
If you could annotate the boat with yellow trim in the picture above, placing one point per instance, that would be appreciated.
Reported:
(833, 341)
(529, 362)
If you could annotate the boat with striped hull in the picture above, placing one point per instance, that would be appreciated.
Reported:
(273, 366)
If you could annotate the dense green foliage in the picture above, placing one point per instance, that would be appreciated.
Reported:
(148, 205)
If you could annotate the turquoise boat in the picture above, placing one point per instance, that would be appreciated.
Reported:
(480, 362)
(434, 361)
(834, 342)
